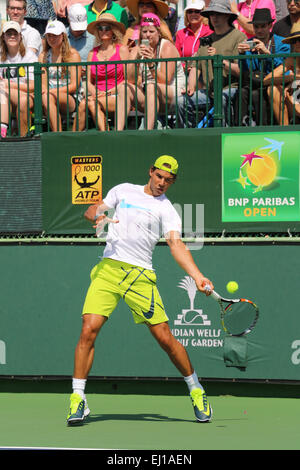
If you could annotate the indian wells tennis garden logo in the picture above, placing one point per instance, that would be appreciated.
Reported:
(191, 326)
(190, 315)
(260, 177)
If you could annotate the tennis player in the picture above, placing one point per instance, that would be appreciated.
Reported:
(142, 215)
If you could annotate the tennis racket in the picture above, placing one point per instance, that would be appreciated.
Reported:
(238, 316)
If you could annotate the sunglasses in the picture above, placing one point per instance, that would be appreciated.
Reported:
(295, 1)
(104, 27)
(294, 41)
(190, 12)
(145, 4)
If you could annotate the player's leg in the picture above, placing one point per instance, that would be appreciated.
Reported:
(144, 300)
(85, 349)
(175, 350)
(179, 356)
(83, 361)
(101, 299)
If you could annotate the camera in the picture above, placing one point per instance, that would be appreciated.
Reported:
(206, 41)
(251, 44)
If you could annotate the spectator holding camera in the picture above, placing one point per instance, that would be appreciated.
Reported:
(138, 8)
(253, 70)
(223, 41)
(160, 81)
(196, 27)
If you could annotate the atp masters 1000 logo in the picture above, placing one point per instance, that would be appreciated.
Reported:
(86, 174)
(260, 180)
(192, 325)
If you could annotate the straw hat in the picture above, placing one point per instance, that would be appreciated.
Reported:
(106, 18)
(162, 7)
(295, 33)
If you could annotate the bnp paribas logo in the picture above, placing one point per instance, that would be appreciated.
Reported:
(191, 315)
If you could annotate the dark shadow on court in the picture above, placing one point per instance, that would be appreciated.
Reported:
(135, 417)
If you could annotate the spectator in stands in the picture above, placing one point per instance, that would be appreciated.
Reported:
(79, 38)
(138, 8)
(38, 13)
(283, 27)
(16, 11)
(106, 86)
(196, 27)
(16, 83)
(60, 83)
(281, 9)
(223, 41)
(286, 99)
(62, 8)
(245, 11)
(98, 7)
(159, 82)
(253, 71)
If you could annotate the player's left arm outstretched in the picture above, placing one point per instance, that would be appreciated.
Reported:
(183, 257)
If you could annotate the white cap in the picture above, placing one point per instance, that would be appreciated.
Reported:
(55, 27)
(194, 5)
(11, 25)
(77, 17)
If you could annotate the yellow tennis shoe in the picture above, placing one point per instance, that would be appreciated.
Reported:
(202, 408)
(78, 410)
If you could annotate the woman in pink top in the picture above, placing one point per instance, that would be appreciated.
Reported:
(105, 86)
(245, 12)
(196, 27)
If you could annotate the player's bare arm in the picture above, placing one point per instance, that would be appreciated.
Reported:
(96, 214)
(183, 257)
(90, 213)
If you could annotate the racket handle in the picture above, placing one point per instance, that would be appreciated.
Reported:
(213, 293)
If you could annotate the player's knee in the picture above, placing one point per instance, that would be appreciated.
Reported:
(88, 333)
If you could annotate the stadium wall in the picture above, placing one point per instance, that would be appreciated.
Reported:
(43, 289)
(45, 272)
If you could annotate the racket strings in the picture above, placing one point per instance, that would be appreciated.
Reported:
(239, 318)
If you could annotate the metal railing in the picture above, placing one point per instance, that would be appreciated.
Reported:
(222, 96)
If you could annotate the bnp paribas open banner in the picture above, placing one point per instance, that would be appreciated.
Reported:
(260, 177)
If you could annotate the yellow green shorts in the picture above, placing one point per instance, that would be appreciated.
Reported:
(112, 280)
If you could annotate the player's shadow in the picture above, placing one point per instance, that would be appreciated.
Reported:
(134, 417)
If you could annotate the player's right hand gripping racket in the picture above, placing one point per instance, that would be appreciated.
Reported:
(238, 316)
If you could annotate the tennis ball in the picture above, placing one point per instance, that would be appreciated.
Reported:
(232, 286)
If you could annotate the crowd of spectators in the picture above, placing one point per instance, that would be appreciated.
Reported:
(140, 32)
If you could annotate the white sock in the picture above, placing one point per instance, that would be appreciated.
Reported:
(78, 386)
(193, 382)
